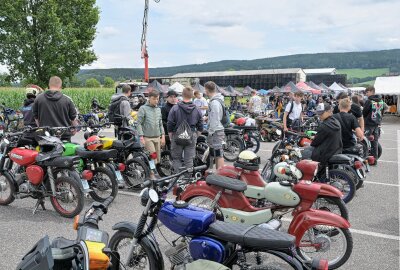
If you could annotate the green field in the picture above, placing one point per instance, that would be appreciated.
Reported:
(362, 73)
(368, 83)
(82, 97)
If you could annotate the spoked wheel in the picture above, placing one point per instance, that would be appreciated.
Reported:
(136, 173)
(334, 245)
(104, 184)
(232, 149)
(7, 189)
(68, 201)
(333, 205)
(143, 257)
(165, 167)
(254, 144)
(344, 182)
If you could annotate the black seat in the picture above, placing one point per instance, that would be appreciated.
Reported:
(246, 166)
(356, 150)
(339, 159)
(102, 155)
(119, 145)
(226, 182)
(252, 128)
(232, 131)
(61, 162)
(251, 236)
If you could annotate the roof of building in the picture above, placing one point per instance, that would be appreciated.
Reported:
(315, 71)
(238, 73)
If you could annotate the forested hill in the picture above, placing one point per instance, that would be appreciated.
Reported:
(366, 60)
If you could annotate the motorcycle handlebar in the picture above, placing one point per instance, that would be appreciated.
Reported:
(96, 211)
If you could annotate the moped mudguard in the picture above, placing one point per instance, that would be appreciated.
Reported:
(307, 219)
(328, 190)
(130, 228)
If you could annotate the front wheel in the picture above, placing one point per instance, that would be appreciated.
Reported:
(68, 201)
(254, 144)
(103, 184)
(143, 257)
(341, 180)
(232, 149)
(136, 173)
(7, 189)
(332, 204)
(334, 245)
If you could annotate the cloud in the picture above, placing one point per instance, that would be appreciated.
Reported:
(108, 32)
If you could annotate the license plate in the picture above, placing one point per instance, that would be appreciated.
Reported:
(119, 176)
(152, 165)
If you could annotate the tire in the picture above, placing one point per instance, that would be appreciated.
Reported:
(103, 187)
(344, 253)
(61, 185)
(233, 147)
(165, 167)
(327, 202)
(136, 173)
(267, 171)
(353, 175)
(346, 186)
(121, 236)
(7, 189)
(256, 144)
(379, 150)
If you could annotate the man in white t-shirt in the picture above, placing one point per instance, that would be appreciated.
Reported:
(200, 102)
(293, 113)
(255, 104)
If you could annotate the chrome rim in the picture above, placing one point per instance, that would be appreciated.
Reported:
(102, 185)
(5, 189)
(139, 260)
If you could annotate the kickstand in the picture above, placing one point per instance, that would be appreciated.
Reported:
(40, 202)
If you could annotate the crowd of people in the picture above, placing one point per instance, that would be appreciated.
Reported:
(178, 123)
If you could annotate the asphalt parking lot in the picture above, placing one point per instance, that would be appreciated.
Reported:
(374, 214)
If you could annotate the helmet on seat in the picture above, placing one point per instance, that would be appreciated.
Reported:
(93, 143)
(248, 160)
(241, 121)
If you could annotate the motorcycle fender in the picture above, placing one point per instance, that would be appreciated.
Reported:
(130, 228)
(202, 189)
(331, 191)
(13, 179)
(111, 167)
(307, 219)
(288, 257)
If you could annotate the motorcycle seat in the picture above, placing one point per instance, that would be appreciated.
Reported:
(232, 131)
(243, 166)
(248, 128)
(251, 236)
(226, 182)
(62, 249)
(339, 159)
(356, 150)
(61, 162)
(119, 145)
(102, 155)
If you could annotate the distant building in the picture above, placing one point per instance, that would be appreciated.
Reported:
(257, 79)
(325, 75)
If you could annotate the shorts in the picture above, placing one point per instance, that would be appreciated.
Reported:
(153, 145)
(216, 142)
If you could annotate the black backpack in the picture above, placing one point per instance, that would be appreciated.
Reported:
(184, 134)
(114, 111)
(226, 117)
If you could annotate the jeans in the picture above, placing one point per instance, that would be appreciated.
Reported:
(376, 132)
(186, 152)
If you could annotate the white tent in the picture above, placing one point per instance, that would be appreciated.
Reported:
(388, 86)
(177, 87)
(336, 87)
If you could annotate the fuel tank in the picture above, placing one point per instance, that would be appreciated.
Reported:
(23, 157)
(280, 194)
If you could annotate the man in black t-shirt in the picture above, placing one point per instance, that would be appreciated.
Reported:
(355, 109)
(348, 123)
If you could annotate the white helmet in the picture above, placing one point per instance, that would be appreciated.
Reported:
(286, 171)
(33, 89)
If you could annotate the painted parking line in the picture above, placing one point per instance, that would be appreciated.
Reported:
(375, 234)
(382, 184)
(388, 161)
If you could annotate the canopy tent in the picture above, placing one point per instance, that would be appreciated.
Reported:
(276, 88)
(222, 91)
(247, 91)
(177, 87)
(199, 88)
(232, 91)
(290, 87)
(389, 86)
(323, 86)
(344, 87)
(336, 87)
(156, 85)
(315, 86)
(305, 87)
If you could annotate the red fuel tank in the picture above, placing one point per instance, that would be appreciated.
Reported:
(23, 157)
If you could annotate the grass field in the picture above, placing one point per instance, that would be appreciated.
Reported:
(363, 73)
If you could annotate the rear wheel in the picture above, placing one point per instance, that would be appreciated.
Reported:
(344, 182)
(232, 149)
(254, 144)
(333, 205)
(68, 201)
(7, 189)
(104, 184)
(379, 150)
(267, 171)
(334, 245)
(164, 167)
(136, 172)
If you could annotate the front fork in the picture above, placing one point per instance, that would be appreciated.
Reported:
(51, 180)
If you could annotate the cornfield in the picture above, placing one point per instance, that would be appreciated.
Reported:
(82, 97)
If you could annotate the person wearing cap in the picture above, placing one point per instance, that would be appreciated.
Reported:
(328, 141)
(31, 92)
(171, 101)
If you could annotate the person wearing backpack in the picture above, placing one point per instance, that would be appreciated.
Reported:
(373, 110)
(119, 111)
(293, 113)
(185, 123)
(217, 120)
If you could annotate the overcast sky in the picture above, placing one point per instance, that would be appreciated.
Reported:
(198, 31)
